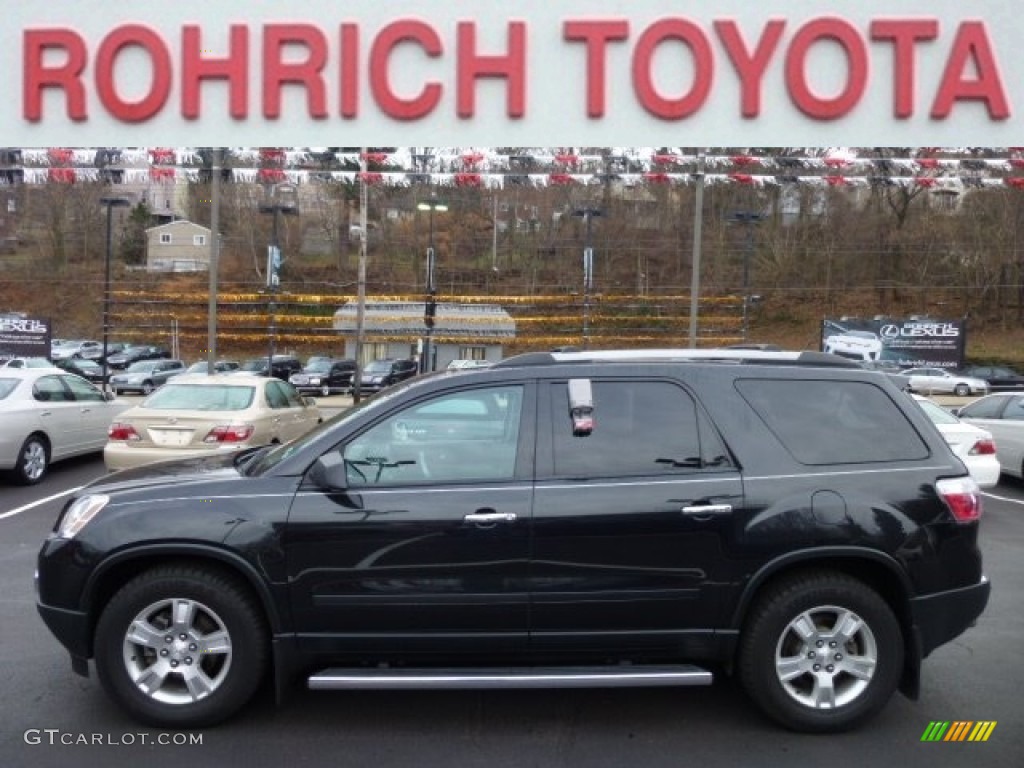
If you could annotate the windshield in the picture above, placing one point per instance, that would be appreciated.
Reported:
(143, 366)
(201, 397)
(320, 366)
(378, 366)
(937, 413)
(257, 364)
(198, 368)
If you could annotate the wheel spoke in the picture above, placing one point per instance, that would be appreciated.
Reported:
(215, 642)
(861, 667)
(145, 634)
(184, 614)
(791, 668)
(151, 679)
(847, 625)
(824, 693)
(199, 685)
(804, 627)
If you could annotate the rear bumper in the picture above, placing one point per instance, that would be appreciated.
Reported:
(118, 455)
(940, 617)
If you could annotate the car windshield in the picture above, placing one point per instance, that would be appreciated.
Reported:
(378, 366)
(200, 367)
(937, 413)
(7, 386)
(143, 366)
(201, 397)
(256, 364)
(87, 365)
(320, 366)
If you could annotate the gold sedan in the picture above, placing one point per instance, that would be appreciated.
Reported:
(196, 415)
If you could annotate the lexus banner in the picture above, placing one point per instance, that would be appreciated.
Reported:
(907, 343)
(24, 336)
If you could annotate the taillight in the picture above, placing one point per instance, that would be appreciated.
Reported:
(983, 447)
(122, 432)
(229, 433)
(963, 497)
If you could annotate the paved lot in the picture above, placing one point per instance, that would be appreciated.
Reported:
(978, 677)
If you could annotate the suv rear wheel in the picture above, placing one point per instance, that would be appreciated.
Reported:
(182, 647)
(821, 652)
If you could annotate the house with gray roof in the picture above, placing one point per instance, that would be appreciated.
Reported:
(397, 329)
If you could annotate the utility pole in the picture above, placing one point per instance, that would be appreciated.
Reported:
(698, 220)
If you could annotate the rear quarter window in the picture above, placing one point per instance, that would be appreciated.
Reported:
(834, 422)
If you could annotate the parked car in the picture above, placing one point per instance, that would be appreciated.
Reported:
(594, 518)
(998, 377)
(74, 348)
(87, 369)
(284, 366)
(461, 364)
(96, 353)
(1001, 414)
(325, 377)
(855, 345)
(48, 415)
(197, 415)
(974, 446)
(383, 373)
(135, 353)
(939, 381)
(25, 362)
(203, 366)
(145, 376)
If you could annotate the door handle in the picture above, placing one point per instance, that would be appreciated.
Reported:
(490, 517)
(707, 509)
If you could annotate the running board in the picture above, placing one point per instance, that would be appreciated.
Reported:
(626, 676)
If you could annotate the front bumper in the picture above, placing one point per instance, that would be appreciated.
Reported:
(940, 617)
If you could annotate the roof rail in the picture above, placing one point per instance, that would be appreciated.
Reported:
(736, 356)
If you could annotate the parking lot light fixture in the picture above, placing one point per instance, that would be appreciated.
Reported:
(111, 203)
(430, 304)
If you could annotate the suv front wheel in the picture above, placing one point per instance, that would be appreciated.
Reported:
(821, 652)
(182, 647)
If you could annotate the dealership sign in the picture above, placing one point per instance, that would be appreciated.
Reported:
(908, 343)
(594, 73)
(24, 336)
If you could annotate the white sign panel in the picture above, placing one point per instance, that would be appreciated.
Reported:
(527, 73)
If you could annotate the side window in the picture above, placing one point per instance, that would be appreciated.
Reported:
(986, 408)
(639, 428)
(833, 422)
(466, 436)
(82, 390)
(275, 397)
(50, 389)
(1014, 410)
(292, 395)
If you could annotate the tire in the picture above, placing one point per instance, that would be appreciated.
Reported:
(961, 390)
(837, 619)
(188, 687)
(147, 388)
(33, 460)
(325, 391)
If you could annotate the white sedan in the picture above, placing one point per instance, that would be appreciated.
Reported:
(973, 445)
(932, 381)
(46, 415)
(1002, 414)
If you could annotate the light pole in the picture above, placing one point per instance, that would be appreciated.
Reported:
(111, 203)
(587, 214)
(282, 200)
(430, 305)
(747, 219)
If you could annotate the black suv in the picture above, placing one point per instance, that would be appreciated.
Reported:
(383, 373)
(325, 376)
(284, 366)
(133, 354)
(587, 518)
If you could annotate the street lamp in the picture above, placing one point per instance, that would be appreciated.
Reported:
(430, 305)
(111, 203)
(587, 214)
(282, 199)
(747, 219)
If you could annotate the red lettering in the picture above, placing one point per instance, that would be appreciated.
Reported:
(595, 35)
(277, 38)
(349, 76)
(391, 36)
(66, 76)
(234, 68)
(904, 34)
(971, 45)
(835, 31)
(511, 67)
(133, 35)
(643, 83)
(750, 67)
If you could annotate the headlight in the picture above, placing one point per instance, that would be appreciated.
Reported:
(79, 513)
(315, 380)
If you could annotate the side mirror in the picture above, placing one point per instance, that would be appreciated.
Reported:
(329, 472)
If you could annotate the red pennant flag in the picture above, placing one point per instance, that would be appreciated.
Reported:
(665, 159)
(161, 174)
(1016, 182)
(60, 156)
(836, 181)
(61, 175)
(925, 181)
(371, 177)
(561, 178)
(657, 178)
(742, 178)
(161, 156)
(745, 160)
(468, 179)
(272, 175)
(567, 159)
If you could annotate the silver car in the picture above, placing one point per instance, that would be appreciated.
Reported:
(145, 376)
(939, 381)
(48, 415)
(1002, 414)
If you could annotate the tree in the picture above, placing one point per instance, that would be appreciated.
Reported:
(133, 237)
